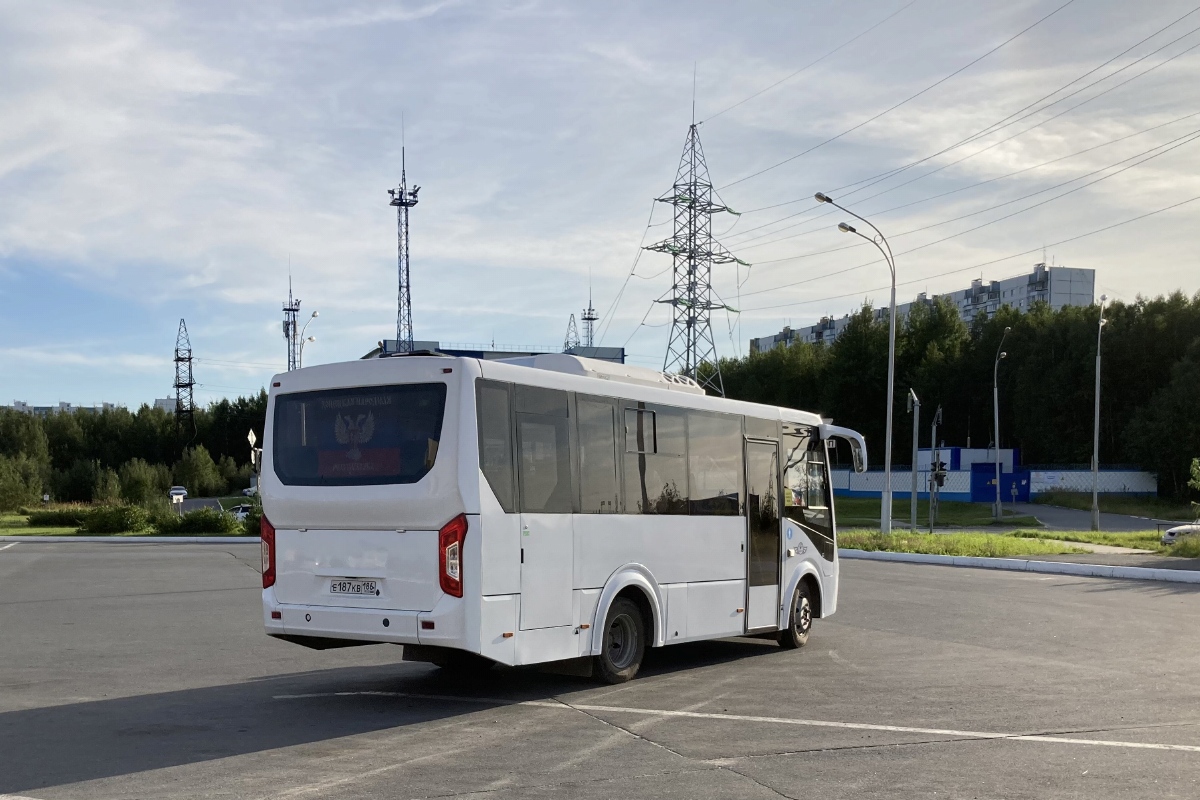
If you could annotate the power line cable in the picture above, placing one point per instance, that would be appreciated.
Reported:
(1190, 136)
(808, 65)
(1007, 121)
(609, 315)
(985, 263)
(902, 102)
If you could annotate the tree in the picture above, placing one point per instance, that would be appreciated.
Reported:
(142, 483)
(1165, 433)
(108, 487)
(20, 482)
(198, 473)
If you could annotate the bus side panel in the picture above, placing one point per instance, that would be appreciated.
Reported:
(675, 549)
(715, 609)
(499, 537)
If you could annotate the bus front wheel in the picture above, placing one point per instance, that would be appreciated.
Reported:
(799, 620)
(624, 642)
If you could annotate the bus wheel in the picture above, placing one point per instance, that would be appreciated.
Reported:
(799, 621)
(624, 642)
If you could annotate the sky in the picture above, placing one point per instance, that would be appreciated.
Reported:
(163, 161)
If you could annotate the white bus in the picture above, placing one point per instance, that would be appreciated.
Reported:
(540, 509)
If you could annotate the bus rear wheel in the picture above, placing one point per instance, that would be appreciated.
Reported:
(799, 620)
(624, 642)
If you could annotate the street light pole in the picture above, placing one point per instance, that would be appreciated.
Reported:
(914, 405)
(998, 509)
(315, 314)
(1096, 427)
(880, 242)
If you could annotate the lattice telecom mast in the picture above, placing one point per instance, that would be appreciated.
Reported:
(589, 318)
(403, 200)
(572, 338)
(694, 250)
(185, 408)
(291, 333)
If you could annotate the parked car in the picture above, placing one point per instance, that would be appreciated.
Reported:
(1173, 535)
(253, 490)
(240, 512)
(177, 491)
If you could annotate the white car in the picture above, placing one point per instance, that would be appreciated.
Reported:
(253, 490)
(177, 491)
(1173, 535)
(240, 512)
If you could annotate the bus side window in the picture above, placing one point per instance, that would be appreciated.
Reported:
(655, 463)
(495, 440)
(544, 464)
(597, 457)
(714, 464)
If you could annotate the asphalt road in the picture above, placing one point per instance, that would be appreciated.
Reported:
(137, 670)
(1075, 520)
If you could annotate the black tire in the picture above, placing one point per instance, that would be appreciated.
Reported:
(799, 620)
(624, 642)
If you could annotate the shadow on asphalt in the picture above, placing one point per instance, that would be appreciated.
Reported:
(74, 742)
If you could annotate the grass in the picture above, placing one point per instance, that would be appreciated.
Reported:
(18, 525)
(1157, 507)
(865, 511)
(952, 544)
(1187, 547)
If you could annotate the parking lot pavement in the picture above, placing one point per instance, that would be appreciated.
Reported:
(142, 671)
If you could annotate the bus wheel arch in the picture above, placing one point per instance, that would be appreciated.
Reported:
(808, 574)
(635, 584)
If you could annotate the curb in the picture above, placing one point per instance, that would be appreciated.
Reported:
(1023, 565)
(134, 539)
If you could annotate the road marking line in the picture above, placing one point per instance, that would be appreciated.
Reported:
(812, 723)
(5, 796)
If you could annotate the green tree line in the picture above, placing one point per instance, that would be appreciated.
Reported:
(134, 456)
(1150, 382)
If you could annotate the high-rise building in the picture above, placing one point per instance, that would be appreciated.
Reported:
(1058, 287)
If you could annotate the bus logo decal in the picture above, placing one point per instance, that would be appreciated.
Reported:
(354, 431)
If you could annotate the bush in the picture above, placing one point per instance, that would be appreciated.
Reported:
(1187, 547)
(207, 520)
(115, 519)
(61, 517)
(251, 524)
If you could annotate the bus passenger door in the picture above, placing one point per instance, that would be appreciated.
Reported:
(547, 543)
(764, 550)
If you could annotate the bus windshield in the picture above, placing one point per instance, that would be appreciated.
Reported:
(361, 436)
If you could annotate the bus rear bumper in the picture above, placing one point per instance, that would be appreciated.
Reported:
(356, 624)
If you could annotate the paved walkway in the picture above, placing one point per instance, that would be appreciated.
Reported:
(1076, 520)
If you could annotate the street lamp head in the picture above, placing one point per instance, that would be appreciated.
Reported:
(844, 228)
(316, 313)
(1008, 329)
(1103, 298)
(821, 197)
(311, 339)
(1003, 354)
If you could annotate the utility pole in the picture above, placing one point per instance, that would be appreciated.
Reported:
(935, 460)
(403, 199)
(914, 407)
(998, 509)
(1096, 428)
(291, 333)
(185, 407)
(695, 252)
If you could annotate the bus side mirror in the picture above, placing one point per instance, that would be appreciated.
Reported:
(858, 446)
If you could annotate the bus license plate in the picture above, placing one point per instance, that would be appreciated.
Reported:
(353, 586)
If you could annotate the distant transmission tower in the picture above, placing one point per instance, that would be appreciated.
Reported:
(589, 319)
(403, 200)
(185, 407)
(694, 251)
(291, 333)
(572, 339)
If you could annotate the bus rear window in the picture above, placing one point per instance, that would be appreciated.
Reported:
(358, 437)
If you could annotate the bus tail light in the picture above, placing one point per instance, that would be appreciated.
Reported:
(267, 533)
(450, 546)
